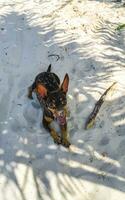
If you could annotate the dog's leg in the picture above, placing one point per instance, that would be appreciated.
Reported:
(46, 123)
(30, 90)
(64, 136)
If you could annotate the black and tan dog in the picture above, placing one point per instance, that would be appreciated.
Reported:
(52, 97)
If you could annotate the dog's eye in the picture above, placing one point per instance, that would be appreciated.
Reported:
(64, 102)
(51, 105)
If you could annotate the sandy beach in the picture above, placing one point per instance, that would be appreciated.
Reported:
(85, 35)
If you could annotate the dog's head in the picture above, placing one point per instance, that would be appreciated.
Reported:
(55, 101)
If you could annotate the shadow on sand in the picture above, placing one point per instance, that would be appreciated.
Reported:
(26, 147)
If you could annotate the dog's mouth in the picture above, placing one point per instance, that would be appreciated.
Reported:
(61, 117)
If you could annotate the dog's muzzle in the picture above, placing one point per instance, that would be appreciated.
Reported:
(61, 117)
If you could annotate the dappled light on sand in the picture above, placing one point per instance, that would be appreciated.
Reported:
(79, 38)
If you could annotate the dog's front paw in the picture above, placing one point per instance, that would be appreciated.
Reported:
(65, 143)
(57, 139)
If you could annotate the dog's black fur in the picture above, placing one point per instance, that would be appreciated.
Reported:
(52, 97)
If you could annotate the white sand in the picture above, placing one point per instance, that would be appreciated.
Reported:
(83, 34)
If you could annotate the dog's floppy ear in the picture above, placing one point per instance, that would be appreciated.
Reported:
(65, 83)
(42, 91)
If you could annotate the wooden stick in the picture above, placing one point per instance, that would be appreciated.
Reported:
(91, 119)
